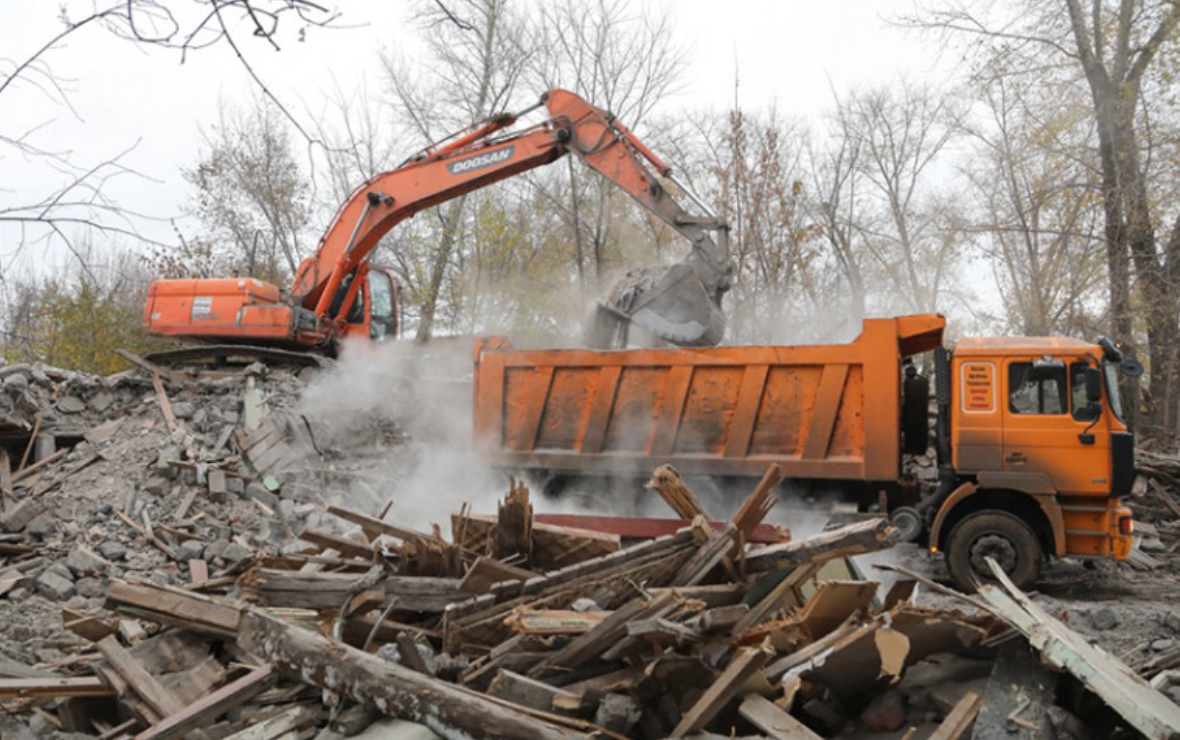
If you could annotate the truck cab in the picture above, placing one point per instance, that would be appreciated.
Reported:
(1040, 453)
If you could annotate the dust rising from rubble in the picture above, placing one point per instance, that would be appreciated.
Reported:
(429, 467)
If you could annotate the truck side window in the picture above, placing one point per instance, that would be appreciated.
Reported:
(1045, 395)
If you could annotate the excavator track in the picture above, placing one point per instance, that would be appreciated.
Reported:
(232, 355)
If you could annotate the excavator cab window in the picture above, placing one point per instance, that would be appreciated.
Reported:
(383, 315)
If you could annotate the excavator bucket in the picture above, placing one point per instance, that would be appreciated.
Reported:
(671, 303)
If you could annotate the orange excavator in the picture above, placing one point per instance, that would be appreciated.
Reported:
(337, 294)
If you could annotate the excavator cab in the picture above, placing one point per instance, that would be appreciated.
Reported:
(375, 312)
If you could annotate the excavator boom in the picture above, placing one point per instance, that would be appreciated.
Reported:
(680, 304)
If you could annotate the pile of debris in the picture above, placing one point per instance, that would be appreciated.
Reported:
(528, 626)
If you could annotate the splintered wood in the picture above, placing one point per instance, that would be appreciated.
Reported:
(524, 630)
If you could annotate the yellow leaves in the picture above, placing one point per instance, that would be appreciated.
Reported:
(80, 327)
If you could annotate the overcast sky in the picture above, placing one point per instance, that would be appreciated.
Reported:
(791, 53)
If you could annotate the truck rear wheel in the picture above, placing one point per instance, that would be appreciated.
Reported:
(998, 535)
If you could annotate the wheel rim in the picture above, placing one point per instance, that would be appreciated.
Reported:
(998, 548)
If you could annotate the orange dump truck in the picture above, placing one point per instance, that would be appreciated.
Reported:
(1032, 449)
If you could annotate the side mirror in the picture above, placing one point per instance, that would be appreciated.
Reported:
(1131, 368)
(1093, 379)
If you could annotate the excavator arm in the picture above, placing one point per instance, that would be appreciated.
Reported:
(680, 304)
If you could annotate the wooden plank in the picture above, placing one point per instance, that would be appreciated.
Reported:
(959, 722)
(449, 710)
(55, 688)
(173, 606)
(529, 692)
(745, 663)
(745, 413)
(486, 572)
(1143, 707)
(666, 482)
(342, 545)
(295, 718)
(24, 459)
(165, 404)
(823, 416)
(610, 630)
(40, 464)
(766, 716)
(379, 526)
(190, 496)
(5, 477)
(554, 621)
(785, 595)
(208, 708)
(604, 400)
(159, 700)
(86, 626)
(646, 528)
(852, 539)
(151, 368)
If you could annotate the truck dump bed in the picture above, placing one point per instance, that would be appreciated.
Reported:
(826, 411)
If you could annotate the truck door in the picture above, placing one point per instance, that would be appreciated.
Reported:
(1047, 428)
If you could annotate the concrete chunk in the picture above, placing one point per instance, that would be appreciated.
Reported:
(54, 587)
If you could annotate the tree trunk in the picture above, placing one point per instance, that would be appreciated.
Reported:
(438, 269)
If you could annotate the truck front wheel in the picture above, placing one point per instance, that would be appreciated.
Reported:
(998, 535)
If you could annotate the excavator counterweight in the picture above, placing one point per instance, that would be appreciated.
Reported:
(334, 295)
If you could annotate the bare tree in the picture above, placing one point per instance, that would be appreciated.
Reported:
(837, 202)
(1038, 218)
(1110, 47)
(897, 137)
(79, 207)
(251, 192)
(478, 51)
(623, 59)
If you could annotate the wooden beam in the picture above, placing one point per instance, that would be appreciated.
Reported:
(165, 404)
(452, 712)
(529, 692)
(55, 688)
(166, 605)
(1144, 708)
(378, 527)
(852, 539)
(144, 684)
(609, 631)
(203, 711)
(959, 722)
(43, 462)
(766, 716)
(744, 664)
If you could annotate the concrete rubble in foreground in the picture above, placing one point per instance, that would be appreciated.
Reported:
(171, 566)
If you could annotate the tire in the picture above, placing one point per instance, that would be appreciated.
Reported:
(999, 534)
(908, 522)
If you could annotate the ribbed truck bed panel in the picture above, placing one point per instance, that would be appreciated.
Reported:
(826, 411)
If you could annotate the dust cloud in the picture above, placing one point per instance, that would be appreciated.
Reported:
(400, 413)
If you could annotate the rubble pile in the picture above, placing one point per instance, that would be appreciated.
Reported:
(141, 475)
(174, 562)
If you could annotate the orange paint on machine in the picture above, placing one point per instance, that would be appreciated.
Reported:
(1033, 453)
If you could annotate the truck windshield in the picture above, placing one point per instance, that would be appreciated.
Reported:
(1110, 369)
